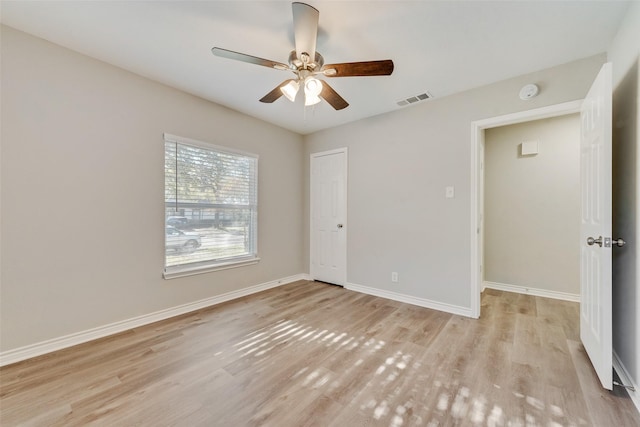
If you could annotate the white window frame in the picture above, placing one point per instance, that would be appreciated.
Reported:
(182, 270)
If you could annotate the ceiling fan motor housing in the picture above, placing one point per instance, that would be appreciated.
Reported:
(304, 63)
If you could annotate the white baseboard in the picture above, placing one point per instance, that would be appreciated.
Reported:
(422, 302)
(531, 291)
(44, 347)
(627, 380)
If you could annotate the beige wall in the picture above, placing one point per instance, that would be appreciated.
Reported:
(399, 166)
(625, 55)
(532, 205)
(82, 193)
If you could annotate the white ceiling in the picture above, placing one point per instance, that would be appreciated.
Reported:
(442, 47)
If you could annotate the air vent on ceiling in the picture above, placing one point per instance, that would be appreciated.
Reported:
(414, 99)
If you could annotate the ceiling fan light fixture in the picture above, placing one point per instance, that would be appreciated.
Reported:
(290, 90)
(311, 100)
(312, 86)
(312, 89)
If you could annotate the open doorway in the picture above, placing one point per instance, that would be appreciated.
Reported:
(477, 183)
(532, 208)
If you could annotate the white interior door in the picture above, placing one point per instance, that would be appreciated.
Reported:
(328, 216)
(595, 232)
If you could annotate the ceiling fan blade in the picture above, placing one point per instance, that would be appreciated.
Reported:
(351, 69)
(274, 94)
(332, 97)
(229, 54)
(305, 29)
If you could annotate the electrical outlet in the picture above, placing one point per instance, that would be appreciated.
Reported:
(394, 277)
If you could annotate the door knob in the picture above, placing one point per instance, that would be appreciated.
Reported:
(608, 242)
(340, 226)
(618, 242)
(591, 241)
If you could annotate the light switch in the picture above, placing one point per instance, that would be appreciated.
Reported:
(449, 192)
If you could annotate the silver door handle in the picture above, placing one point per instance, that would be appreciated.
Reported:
(340, 225)
(618, 242)
(591, 241)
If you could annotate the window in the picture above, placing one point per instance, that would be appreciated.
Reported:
(211, 207)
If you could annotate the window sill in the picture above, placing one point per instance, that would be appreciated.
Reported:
(175, 272)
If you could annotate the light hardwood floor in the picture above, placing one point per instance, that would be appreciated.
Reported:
(311, 354)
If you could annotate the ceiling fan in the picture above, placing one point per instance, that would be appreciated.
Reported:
(306, 63)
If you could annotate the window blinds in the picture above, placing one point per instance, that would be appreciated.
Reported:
(210, 195)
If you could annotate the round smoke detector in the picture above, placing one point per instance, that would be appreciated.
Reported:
(529, 91)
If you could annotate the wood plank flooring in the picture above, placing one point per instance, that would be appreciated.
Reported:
(310, 354)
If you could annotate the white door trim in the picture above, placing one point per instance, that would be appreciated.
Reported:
(345, 151)
(477, 137)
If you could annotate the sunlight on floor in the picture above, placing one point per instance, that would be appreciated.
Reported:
(449, 398)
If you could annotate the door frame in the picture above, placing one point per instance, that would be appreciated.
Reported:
(345, 151)
(477, 138)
